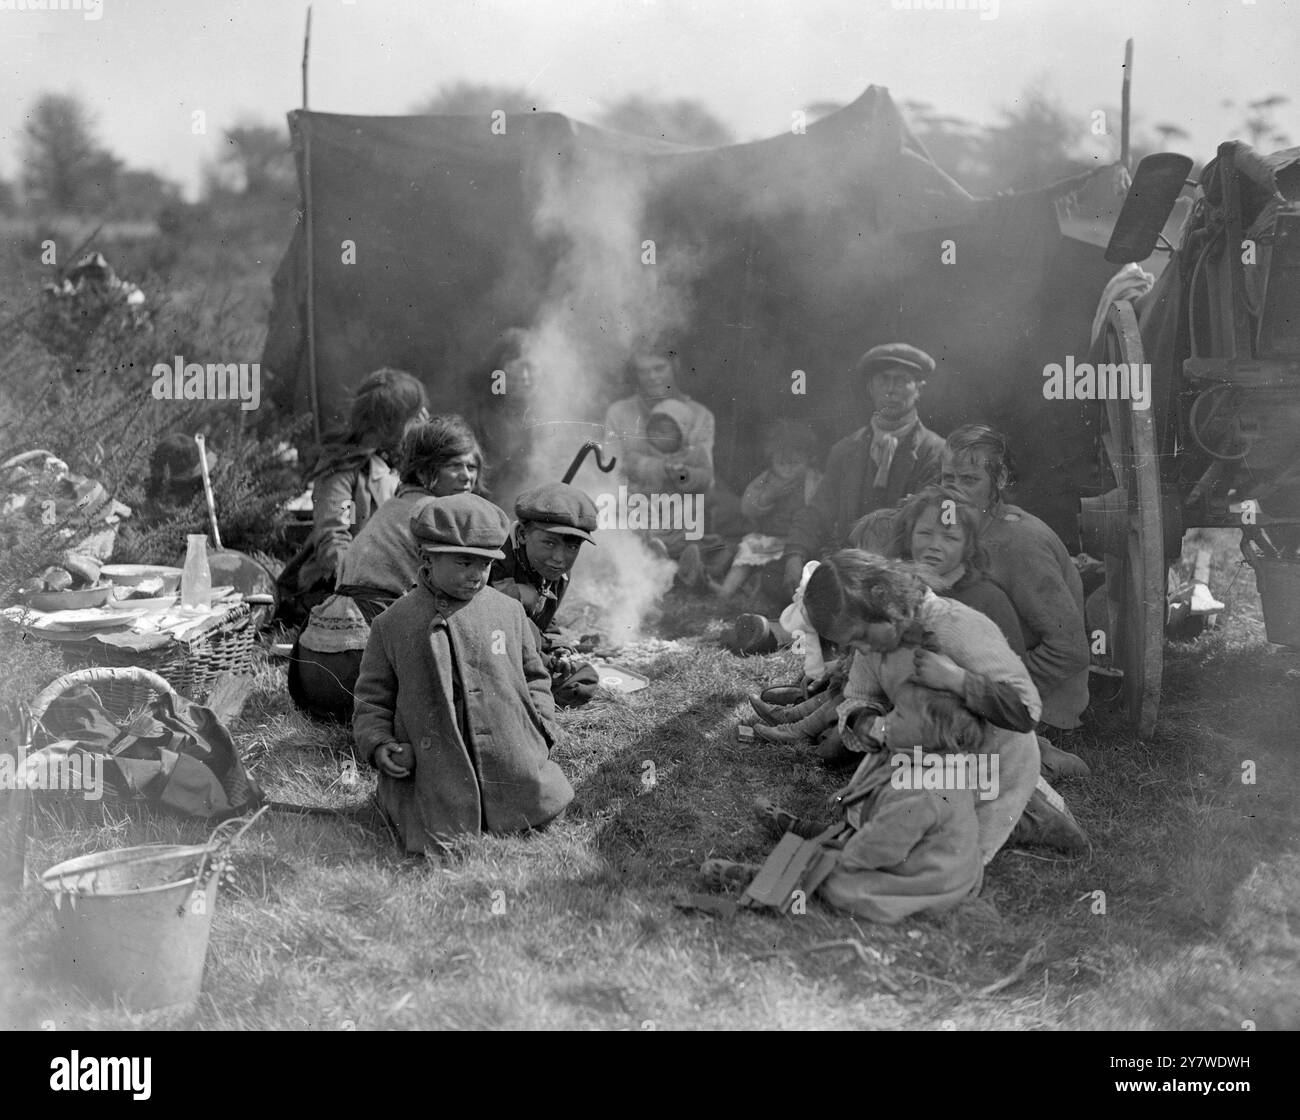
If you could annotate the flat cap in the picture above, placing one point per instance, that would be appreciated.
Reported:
(461, 523)
(895, 354)
(562, 508)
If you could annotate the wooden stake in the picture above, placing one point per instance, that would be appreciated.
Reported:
(1124, 103)
(308, 231)
(307, 50)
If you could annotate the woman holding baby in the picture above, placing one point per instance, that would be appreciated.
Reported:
(927, 672)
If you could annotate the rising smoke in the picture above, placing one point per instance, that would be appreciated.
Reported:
(604, 298)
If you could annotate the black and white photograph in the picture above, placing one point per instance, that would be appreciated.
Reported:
(650, 515)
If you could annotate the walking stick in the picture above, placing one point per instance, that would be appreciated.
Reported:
(575, 466)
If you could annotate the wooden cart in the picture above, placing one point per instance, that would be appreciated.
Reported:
(1219, 445)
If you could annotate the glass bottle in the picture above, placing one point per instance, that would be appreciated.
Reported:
(196, 578)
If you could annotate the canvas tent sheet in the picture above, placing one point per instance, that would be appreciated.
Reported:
(432, 235)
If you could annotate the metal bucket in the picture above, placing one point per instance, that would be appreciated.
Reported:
(130, 929)
(1279, 591)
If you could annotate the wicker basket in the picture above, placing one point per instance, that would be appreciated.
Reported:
(190, 665)
(124, 693)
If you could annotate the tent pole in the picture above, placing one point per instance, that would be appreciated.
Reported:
(308, 235)
(1124, 103)
(306, 55)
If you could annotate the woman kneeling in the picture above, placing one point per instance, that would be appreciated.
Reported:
(906, 839)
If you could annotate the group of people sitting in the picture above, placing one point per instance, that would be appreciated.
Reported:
(945, 621)
(933, 617)
(370, 488)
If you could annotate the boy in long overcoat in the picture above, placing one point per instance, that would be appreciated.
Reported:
(453, 704)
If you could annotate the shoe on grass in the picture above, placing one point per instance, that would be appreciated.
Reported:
(780, 733)
(768, 712)
(783, 695)
(754, 636)
(1057, 764)
(723, 874)
(782, 821)
(1048, 822)
(1203, 602)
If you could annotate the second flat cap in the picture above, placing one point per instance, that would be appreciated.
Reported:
(895, 354)
(562, 508)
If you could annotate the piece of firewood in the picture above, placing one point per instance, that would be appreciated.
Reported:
(228, 696)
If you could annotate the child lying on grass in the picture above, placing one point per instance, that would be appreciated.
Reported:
(453, 704)
(899, 847)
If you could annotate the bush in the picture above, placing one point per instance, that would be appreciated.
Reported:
(86, 397)
(27, 665)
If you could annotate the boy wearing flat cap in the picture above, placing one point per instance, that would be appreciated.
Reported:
(554, 520)
(453, 704)
(877, 466)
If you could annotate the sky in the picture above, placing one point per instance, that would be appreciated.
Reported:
(146, 67)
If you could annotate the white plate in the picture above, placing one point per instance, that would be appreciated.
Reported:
(90, 619)
(618, 679)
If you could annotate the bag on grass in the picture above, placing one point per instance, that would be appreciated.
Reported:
(176, 754)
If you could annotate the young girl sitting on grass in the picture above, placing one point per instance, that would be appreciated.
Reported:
(898, 847)
(453, 704)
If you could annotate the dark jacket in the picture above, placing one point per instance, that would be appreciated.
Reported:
(499, 774)
(982, 594)
(1032, 565)
(845, 493)
(508, 574)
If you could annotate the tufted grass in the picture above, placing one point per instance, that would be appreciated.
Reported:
(328, 928)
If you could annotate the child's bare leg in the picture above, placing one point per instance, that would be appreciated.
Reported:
(734, 581)
(1201, 569)
(1203, 602)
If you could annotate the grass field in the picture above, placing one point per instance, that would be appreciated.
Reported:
(328, 928)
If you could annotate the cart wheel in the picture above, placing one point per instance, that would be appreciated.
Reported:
(1136, 571)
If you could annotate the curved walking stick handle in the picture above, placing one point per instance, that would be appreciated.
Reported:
(600, 459)
(575, 466)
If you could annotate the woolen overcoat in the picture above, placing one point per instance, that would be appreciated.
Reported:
(503, 777)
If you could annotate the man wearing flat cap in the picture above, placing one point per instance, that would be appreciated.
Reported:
(875, 467)
(554, 521)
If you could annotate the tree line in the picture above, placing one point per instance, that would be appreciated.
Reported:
(67, 170)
